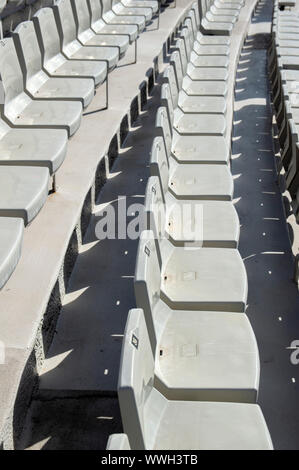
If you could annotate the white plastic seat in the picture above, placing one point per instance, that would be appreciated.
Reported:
(217, 221)
(54, 62)
(195, 351)
(190, 148)
(37, 82)
(122, 10)
(194, 49)
(71, 46)
(222, 26)
(11, 238)
(20, 110)
(201, 102)
(32, 147)
(201, 278)
(110, 17)
(153, 422)
(153, 4)
(23, 191)
(192, 124)
(88, 37)
(211, 67)
(194, 181)
(100, 27)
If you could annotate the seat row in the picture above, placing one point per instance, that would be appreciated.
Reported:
(283, 62)
(189, 371)
(49, 69)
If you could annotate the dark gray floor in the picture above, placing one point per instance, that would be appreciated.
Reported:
(273, 300)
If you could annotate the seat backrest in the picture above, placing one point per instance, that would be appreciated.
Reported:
(28, 49)
(65, 21)
(187, 35)
(106, 6)
(175, 61)
(136, 378)
(95, 7)
(167, 102)
(195, 7)
(147, 280)
(170, 78)
(159, 163)
(180, 46)
(202, 8)
(47, 33)
(10, 72)
(81, 14)
(155, 208)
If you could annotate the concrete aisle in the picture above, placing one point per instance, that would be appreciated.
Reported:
(273, 301)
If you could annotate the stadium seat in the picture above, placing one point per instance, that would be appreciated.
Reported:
(186, 222)
(201, 278)
(111, 17)
(87, 37)
(220, 25)
(71, 46)
(122, 10)
(192, 123)
(194, 181)
(23, 191)
(54, 62)
(11, 238)
(153, 422)
(32, 147)
(191, 148)
(20, 110)
(99, 26)
(37, 82)
(205, 99)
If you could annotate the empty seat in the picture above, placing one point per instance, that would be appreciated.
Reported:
(201, 278)
(185, 221)
(99, 26)
(211, 25)
(206, 103)
(192, 148)
(194, 181)
(20, 110)
(153, 422)
(54, 62)
(72, 48)
(153, 4)
(88, 37)
(122, 10)
(23, 191)
(11, 238)
(32, 147)
(194, 351)
(37, 82)
(192, 123)
(219, 223)
(111, 17)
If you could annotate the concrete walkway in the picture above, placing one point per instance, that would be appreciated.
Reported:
(273, 301)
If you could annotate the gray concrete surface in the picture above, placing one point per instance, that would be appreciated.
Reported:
(273, 301)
